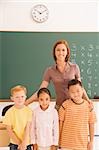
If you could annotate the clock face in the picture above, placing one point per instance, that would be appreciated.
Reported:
(40, 13)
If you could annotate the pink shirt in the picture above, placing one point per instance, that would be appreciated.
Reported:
(45, 127)
(60, 80)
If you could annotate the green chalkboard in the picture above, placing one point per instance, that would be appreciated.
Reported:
(25, 55)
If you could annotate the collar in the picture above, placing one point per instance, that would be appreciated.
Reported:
(77, 103)
(68, 64)
(47, 110)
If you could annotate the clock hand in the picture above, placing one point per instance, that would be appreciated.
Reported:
(43, 11)
(37, 11)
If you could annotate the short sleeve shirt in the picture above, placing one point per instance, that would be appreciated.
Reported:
(60, 80)
(18, 119)
(76, 120)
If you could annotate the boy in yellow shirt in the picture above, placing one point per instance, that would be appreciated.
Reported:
(18, 119)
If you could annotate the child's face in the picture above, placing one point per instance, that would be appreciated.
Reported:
(44, 100)
(19, 98)
(76, 92)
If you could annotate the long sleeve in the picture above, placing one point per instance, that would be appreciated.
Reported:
(33, 130)
(55, 128)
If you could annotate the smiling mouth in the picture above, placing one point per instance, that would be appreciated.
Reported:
(61, 56)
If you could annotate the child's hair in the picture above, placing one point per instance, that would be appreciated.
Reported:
(17, 89)
(43, 90)
(74, 82)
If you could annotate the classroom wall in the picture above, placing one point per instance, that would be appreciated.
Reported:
(64, 15)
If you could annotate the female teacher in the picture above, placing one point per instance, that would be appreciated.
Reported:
(60, 73)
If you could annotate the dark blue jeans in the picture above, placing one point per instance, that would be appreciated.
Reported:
(15, 147)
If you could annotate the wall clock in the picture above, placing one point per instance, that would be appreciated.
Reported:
(40, 13)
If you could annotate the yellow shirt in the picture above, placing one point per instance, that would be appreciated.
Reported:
(18, 119)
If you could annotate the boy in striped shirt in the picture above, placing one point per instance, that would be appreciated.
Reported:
(76, 120)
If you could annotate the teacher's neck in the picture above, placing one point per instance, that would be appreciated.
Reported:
(61, 66)
(61, 63)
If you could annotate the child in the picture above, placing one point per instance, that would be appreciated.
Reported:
(17, 120)
(45, 124)
(76, 120)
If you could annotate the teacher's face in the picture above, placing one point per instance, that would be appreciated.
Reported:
(60, 52)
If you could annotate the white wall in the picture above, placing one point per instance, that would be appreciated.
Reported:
(64, 15)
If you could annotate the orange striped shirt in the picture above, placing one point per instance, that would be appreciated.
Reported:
(76, 119)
